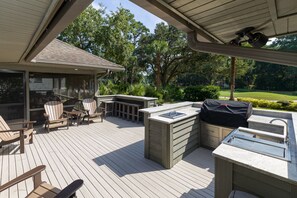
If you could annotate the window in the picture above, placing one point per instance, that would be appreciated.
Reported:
(62, 87)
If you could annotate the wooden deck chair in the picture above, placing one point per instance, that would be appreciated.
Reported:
(43, 189)
(91, 109)
(8, 136)
(55, 115)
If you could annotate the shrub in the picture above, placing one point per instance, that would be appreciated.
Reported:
(173, 93)
(284, 102)
(280, 105)
(210, 92)
(192, 93)
(200, 93)
(263, 103)
(107, 88)
(153, 92)
(121, 88)
(136, 90)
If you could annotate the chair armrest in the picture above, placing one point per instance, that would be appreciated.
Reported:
(13, 130)
(27, 175)
(45, 115)
(29, 124)
(66, 113)
(100, 109)
(86, 111)
(70, 190)
(26, 122)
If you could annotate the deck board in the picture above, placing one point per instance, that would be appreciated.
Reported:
(109, 158)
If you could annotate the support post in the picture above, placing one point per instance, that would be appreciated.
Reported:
(232, 78)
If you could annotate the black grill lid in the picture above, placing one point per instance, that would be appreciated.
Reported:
(226, 113)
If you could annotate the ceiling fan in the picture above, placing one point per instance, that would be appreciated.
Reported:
(256, 39)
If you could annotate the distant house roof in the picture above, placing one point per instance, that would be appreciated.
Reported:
(59, 52)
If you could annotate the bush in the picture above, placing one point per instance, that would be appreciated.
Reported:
(284, 102)
(200, 93)
(173, 93)
(153, 92)
(107, 88)
(210, 92)
(280, 105)
(121, 88)
(136, 90)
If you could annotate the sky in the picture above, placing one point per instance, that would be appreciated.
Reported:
(148, 19)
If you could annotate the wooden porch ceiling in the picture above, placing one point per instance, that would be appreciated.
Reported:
(219, 20)
(215, 22)
(26, 27)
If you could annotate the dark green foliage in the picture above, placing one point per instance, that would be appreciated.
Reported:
(108, 88)
(210, 92)
(191, 79)
(200, 93)
(284, 102)
(151, 91)
(173, 93)
(136, 90)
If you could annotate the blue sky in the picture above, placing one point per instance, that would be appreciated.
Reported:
(148, 19)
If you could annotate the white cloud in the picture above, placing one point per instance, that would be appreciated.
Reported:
(96, 5)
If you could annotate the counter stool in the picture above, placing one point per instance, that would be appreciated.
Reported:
(109, 107)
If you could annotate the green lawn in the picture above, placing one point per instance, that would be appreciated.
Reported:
(275, 95)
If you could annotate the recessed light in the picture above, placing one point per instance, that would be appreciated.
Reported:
(75, 69)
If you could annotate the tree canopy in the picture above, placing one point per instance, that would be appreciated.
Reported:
(163, 57)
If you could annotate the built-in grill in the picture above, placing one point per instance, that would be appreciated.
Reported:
(226, 113)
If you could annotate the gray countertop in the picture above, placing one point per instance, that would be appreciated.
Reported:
(135, 97)
(128, 97)
(189, 111)
(266, 120)
(166, 107)
(274, 167)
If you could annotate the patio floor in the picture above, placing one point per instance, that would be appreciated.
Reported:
(109, 158)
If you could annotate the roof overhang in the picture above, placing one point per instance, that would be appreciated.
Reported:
(63, 68)
(215, 22)
(67, 12)
(28, 26)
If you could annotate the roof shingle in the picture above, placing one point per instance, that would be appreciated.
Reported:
(59, 52)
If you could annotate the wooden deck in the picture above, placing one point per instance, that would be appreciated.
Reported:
(109, 158)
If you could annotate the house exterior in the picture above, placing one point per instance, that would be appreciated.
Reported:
(35, 67)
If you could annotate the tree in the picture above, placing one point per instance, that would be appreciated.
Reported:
(271, 76)
(113, 37)
(121, 36)
(85, 32)
(165, 54)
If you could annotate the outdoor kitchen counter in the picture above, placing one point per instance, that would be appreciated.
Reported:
(188, 111)
(135, 97)
(168, 140)
(246, 169)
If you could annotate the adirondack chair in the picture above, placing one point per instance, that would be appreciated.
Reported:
(55, 115)
(91, 110)
(8, 136)
(43, 189)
